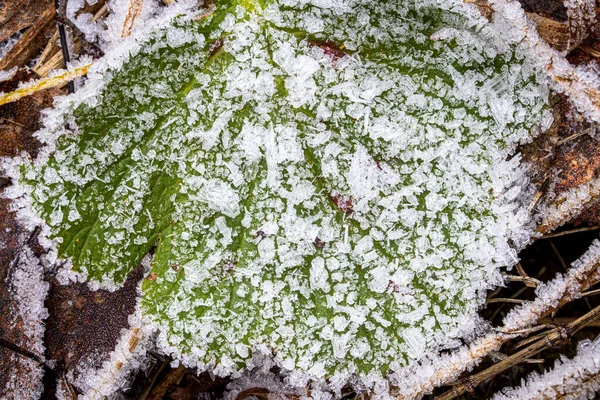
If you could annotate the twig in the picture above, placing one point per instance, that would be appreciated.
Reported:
(571, 231)
(146, 392)
(575, 378)
(263, 393)
(559, 336)
(560, 258)
(504, 300)
(22, 351)
(165, 384)
(574, 136)
(514, 295)
(590, 293)
(64, 46)
(528, 281)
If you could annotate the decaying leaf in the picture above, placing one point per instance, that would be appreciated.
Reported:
(22, 293)
(85, 326)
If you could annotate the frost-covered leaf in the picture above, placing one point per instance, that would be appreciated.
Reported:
(325, 180)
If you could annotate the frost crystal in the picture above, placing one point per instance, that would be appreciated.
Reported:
(324, 180)
(576, 378)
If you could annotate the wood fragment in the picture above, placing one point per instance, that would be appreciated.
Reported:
(18, 15)
(57, 61)
(52, 59)
(166, 383)
(50, 48)
(30, 43)
(555, 33)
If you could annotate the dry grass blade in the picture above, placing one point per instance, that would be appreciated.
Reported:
(575, 136)
(133, 12)
(46, 83)
(52, 59)
(590, 293)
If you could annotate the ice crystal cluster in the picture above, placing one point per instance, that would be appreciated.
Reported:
(326, 180)
(576, 378)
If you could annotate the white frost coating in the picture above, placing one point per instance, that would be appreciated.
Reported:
(9, 43)
(116, 372)
(118, 10)
(54, 120)
(570, 379)
(436, 370)
(568, 205)
(580, 84)
(7, 74)
(365, 178)
(581, 19)
(29, 370)
(83, 21)
(564, 287)
(28, 291)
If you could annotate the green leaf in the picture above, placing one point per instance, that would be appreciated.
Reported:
(322, 181)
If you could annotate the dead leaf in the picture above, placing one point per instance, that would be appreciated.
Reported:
(20, 343)
(84, 326)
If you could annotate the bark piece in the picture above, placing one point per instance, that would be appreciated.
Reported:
(31, 42)
(16, 15)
